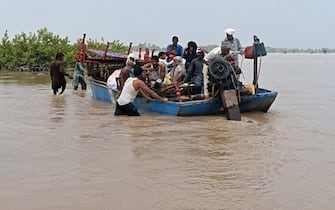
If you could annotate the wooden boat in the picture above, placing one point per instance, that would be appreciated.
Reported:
(261, 100)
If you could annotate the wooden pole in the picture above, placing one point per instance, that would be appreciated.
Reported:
(255, 81)
(129, 48)
(106, 50)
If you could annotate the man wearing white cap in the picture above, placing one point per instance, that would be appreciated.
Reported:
(236, 47)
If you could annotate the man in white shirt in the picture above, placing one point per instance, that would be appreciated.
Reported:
(133, 85)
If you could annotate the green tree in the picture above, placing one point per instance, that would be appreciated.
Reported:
(6, 54)
(34, 49)
(114, 46)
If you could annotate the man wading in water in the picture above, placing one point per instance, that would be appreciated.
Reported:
(57, 74)
(133, 85)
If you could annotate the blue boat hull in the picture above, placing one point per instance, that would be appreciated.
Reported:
(199, 107)
(257, 102)
(100, 91)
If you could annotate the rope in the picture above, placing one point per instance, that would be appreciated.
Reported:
(259, 69)
(241, 67)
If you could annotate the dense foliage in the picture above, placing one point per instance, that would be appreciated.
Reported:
(35, 51)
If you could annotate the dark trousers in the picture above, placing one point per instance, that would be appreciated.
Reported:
(127, 109)
(82, 83)
(57, 85)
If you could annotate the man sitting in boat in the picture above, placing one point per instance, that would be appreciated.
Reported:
(177, 73)
(195, 74)
(133, 85)
(155, 73)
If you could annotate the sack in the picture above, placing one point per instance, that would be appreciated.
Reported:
(112, 81)
(259, 51)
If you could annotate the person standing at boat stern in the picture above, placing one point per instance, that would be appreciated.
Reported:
(78, 76)
(57, 74)
(133, 85)
(236, 47)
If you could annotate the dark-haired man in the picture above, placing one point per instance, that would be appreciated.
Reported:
(194, 73)
(174, 49)
(155, 72)
(133, 85)
(57, 74)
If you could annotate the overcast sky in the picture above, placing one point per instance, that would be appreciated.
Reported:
(278, 23)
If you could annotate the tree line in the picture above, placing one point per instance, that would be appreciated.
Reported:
(35, 51)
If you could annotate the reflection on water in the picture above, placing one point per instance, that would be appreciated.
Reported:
(58, 108)
(70, 152)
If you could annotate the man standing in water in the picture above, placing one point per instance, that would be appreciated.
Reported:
(57, 74)
(133, 85)
(78, 77)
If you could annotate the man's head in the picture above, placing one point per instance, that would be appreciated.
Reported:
(162, 55)
(175, 40)
(130, 60)
(229, 32)
(225, 47)
(59, 56)
(137, 70)
(155, 61)
(200, 52)
(192, 46)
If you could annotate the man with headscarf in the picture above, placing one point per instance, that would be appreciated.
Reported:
(178, 70)
(236, 47)
(190, 53)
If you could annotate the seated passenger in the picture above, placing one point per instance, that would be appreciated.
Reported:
(190, 53)
(194, 73)
(178, 70)
(162, 58)
(155, 73)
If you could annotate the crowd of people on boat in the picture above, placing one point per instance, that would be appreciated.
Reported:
(171, 68)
